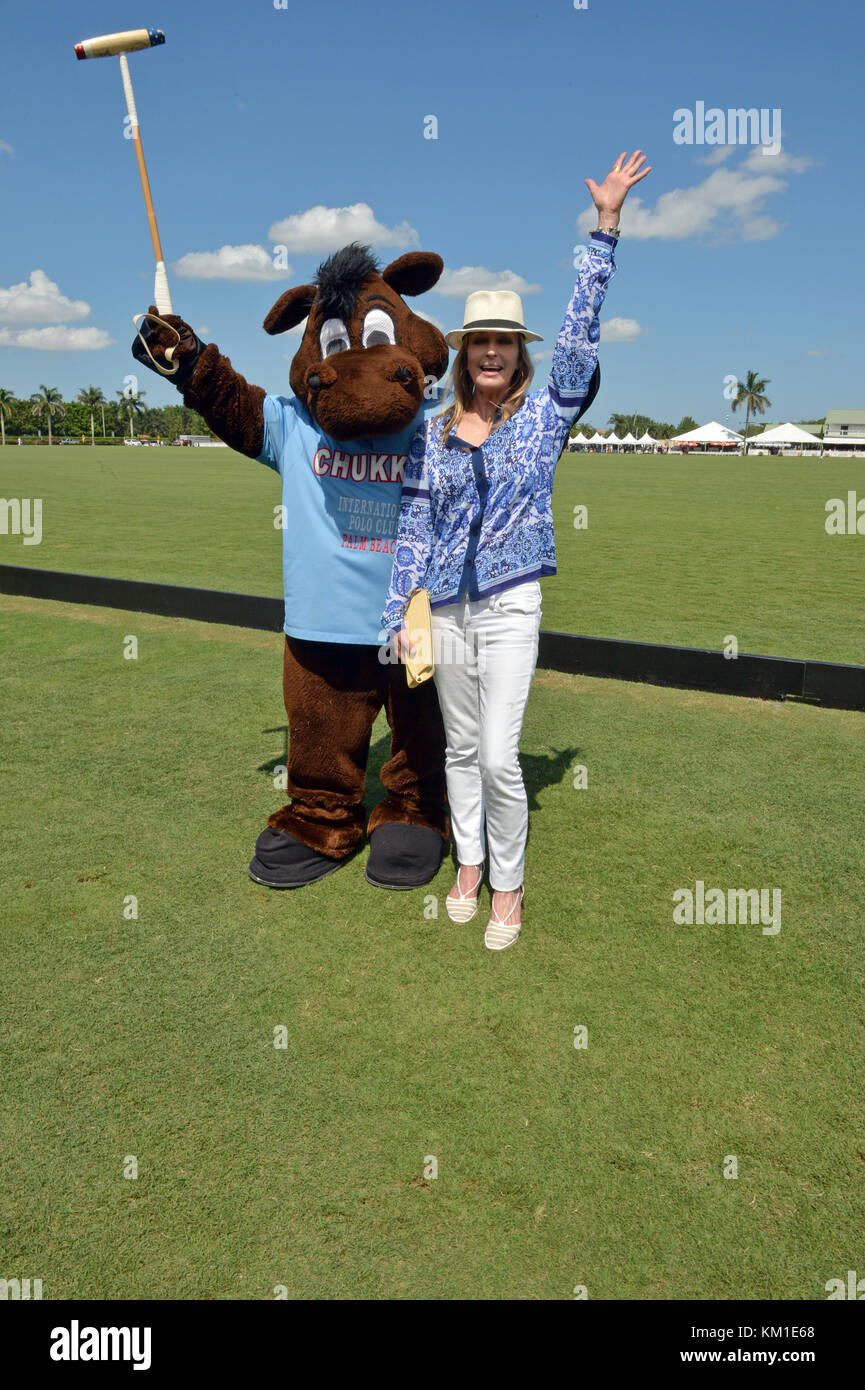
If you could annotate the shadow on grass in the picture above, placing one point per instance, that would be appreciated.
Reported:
(540, 770)
(281, 759)
(546, 770)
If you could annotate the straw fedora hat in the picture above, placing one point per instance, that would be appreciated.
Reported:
(502, 309)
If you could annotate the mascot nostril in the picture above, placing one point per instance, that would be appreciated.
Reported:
(340, 446)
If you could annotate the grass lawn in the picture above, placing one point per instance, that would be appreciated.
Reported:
(304, 1166)
(678, 550)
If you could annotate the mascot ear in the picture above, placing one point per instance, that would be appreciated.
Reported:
(414, 272)
(290, 309)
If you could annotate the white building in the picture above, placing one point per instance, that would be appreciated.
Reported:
(201, 441)
(844, 429)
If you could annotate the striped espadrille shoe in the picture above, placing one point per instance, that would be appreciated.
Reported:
(501, 932)
(461, 907)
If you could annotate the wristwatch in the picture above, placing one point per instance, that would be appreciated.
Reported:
(609, 231)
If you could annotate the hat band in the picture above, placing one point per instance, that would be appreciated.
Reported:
(494, 323)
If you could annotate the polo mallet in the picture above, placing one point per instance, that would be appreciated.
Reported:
(109, 45)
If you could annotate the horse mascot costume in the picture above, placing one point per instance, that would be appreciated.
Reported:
(340, 444)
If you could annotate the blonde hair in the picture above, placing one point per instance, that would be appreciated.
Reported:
(461, 385)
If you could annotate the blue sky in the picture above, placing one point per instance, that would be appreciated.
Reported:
(259, 123)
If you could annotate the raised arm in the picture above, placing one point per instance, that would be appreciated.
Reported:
(207, 381)
(574, 375)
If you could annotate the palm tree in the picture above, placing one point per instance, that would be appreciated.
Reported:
(91, 397)
(50, 403)
(133, 403)
(6, 399)
(751, 392)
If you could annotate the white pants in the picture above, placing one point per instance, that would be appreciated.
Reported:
(485, 656)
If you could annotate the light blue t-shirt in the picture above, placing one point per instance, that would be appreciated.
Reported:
(340, 512)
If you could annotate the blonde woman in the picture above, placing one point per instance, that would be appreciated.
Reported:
(476, 529)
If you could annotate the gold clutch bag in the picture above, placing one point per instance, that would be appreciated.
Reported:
(418, 626)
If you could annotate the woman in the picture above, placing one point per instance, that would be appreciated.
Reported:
(476, 529)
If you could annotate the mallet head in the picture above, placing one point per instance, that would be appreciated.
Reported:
(111, 44)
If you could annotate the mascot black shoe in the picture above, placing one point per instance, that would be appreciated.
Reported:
(404, 856)
(281, 861)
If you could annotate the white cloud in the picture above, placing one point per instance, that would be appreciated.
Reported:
(6, 148)
(459, 283)
(779, 163)
(729, 204)
(430, 318)
(545, 356)
(40, 301)
(820, 352)
(716, 156)
(620, 330)
(321, 229)
(247, 262)
(57, 338)
(759, 228)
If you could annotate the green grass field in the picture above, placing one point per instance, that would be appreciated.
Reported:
(678, 550)
(304, 1167)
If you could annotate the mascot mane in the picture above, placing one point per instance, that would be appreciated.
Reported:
(339, 278)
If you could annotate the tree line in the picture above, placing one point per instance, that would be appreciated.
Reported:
(748, 391)
(93, 415)
(638, 425)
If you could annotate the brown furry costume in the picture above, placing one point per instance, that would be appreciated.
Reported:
(334, 690)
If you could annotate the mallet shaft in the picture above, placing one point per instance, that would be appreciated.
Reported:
(162, 295)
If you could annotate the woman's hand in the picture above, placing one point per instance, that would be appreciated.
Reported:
(404, 647)
(609, 197)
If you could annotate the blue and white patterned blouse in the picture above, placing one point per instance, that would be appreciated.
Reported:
(474, 521)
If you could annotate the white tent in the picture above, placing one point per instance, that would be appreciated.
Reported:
(646, 438)
(629, 438)
(612, 438)
(713, 433)
(596, 439)
(785, 434)
(578, 439)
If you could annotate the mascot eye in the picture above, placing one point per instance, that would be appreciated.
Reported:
(378, 327)
(333, 337)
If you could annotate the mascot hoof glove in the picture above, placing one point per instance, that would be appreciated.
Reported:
(281, 861)
(404, 856)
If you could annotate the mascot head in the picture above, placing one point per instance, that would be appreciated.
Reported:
(365, 356)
